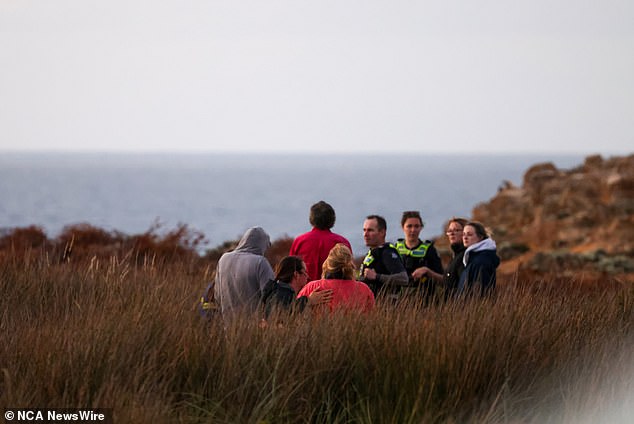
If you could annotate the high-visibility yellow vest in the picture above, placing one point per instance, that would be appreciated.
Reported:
(418, 253)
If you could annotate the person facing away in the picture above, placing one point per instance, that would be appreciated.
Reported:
(290, 278)
(338, 276)
(455, 267)
(480, 260)
(242, 274)
(313, 247)
(382, 269)
(420, 258)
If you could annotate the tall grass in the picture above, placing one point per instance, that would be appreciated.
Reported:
(123, 333)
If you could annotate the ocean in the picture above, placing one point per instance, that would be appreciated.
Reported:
(221, 195)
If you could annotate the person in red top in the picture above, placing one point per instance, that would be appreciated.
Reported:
(313, 247)
(338, 275)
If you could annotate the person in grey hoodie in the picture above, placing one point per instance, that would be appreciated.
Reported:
(480, 260)
(241, 275)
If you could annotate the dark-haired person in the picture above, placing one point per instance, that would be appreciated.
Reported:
(454, 268)
(480, 261)
(338, 276)
(313, 247)
(420, 258)
(290, 278)
(382, 268)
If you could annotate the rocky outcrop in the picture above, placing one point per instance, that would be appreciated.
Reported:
(580, 219)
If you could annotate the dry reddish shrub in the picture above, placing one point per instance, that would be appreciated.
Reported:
(80, 241)
(85, 242)
(23, 238)
(279, 248)
(180, 243)
(213, 255)
(84, 234)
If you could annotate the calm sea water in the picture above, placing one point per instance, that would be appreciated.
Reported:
(221, 195)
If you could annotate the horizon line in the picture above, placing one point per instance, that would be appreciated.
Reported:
(315, 152)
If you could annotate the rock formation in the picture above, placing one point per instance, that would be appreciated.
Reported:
(566, 221)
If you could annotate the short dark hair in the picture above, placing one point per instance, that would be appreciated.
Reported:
(411, 214)
(322, 215)
(381, 224)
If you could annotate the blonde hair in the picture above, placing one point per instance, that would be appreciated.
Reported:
(339, 260)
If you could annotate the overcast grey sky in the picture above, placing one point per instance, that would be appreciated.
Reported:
(327, 75)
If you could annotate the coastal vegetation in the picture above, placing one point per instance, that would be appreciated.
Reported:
(104, 320)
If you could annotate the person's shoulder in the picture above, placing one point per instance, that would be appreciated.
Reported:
(389, 249)
(306, 240)
(489, 255)
(262, 264)
(302, 237)
(339, 237)
(226, 255)
(261, 259)
(319, 283)
(431, 247)
(310, 287)
(483, 256)
(327, 233)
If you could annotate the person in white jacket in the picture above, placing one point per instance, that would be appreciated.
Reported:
(242, 274)
(480, 260)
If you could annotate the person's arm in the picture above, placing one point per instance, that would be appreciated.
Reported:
(435, 264)
(423, 270)
(397, 274)
(315, 298)
(398, 279)
(433, 268)
(265, 273)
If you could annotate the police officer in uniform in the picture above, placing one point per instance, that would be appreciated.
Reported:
(382, 269)
(420, 258)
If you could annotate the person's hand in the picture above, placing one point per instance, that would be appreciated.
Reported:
(319, 297)
(420, 272)
(369, 273)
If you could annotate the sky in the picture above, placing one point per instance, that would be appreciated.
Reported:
(333, 76)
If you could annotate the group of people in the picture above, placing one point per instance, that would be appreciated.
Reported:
(320, 269)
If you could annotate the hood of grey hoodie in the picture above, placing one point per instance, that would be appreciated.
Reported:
(486, 244)
(255, 240)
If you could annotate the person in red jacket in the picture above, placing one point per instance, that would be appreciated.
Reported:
(338, 276)
(313, 247)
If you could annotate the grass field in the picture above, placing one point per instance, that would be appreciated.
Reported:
(122, 332)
